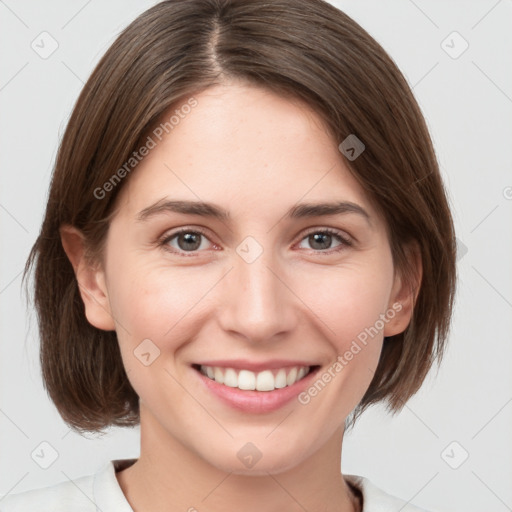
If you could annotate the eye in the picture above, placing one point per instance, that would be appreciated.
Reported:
(185, 240)
(193, 240)
(321, 239)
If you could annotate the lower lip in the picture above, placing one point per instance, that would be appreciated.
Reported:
(256, 401)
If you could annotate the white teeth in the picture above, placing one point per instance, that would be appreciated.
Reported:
(280, 379)
(246, 379)
(292, 376)
(266, 380)
(230, 378)
(218, 375)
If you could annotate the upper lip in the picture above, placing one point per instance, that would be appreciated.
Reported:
(242, 364)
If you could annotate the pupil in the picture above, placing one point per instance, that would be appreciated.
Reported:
(192, 241)
(318, 236)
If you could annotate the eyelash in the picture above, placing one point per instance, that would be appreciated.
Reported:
(345, 242)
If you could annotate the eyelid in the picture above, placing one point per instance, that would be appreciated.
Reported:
(345, 239)
(169, 235)
(332, 231)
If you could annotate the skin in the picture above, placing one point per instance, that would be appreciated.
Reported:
(256, 155)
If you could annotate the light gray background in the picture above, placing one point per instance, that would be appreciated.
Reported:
(467, 102)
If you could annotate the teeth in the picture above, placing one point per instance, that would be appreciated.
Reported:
(280, 379)
(292, 377)
(244, 380)
(230, 378)
(267, 380)
(218, 375)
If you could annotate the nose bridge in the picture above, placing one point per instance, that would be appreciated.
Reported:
(257, 305)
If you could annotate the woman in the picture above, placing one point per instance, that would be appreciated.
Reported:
(247, 243)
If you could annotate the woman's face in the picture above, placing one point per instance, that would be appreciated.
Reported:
(261, 289)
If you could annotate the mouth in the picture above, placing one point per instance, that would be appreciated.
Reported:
(247, 380)
(255, 391)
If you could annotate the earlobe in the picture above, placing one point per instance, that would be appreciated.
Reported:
(90, 279)
(404, 294)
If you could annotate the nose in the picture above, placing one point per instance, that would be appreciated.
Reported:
(257, 303)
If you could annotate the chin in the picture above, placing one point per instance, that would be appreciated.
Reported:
(273, 463)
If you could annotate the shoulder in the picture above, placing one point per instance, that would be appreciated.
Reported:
(377, 500)
(99, 491)
(72, 496)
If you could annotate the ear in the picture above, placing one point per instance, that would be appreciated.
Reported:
(90, 278)
(404, 293)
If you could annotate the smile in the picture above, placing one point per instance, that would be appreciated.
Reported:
(266, 380)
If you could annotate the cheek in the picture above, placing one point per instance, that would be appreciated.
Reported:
(157, 302)
(150, 307)
(349, 302)
(348, 299)
(149, 301)
(152, 299)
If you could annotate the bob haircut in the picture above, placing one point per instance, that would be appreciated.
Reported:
(307, 51)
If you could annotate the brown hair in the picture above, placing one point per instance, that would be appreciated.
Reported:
(307, 50)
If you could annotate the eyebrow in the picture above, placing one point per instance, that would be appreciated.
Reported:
(304, 210)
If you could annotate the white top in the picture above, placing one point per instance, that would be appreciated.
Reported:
(101, 492)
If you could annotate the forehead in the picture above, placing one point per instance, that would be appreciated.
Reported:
(243, 147)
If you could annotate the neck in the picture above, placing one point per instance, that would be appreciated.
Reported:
(173, 477)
